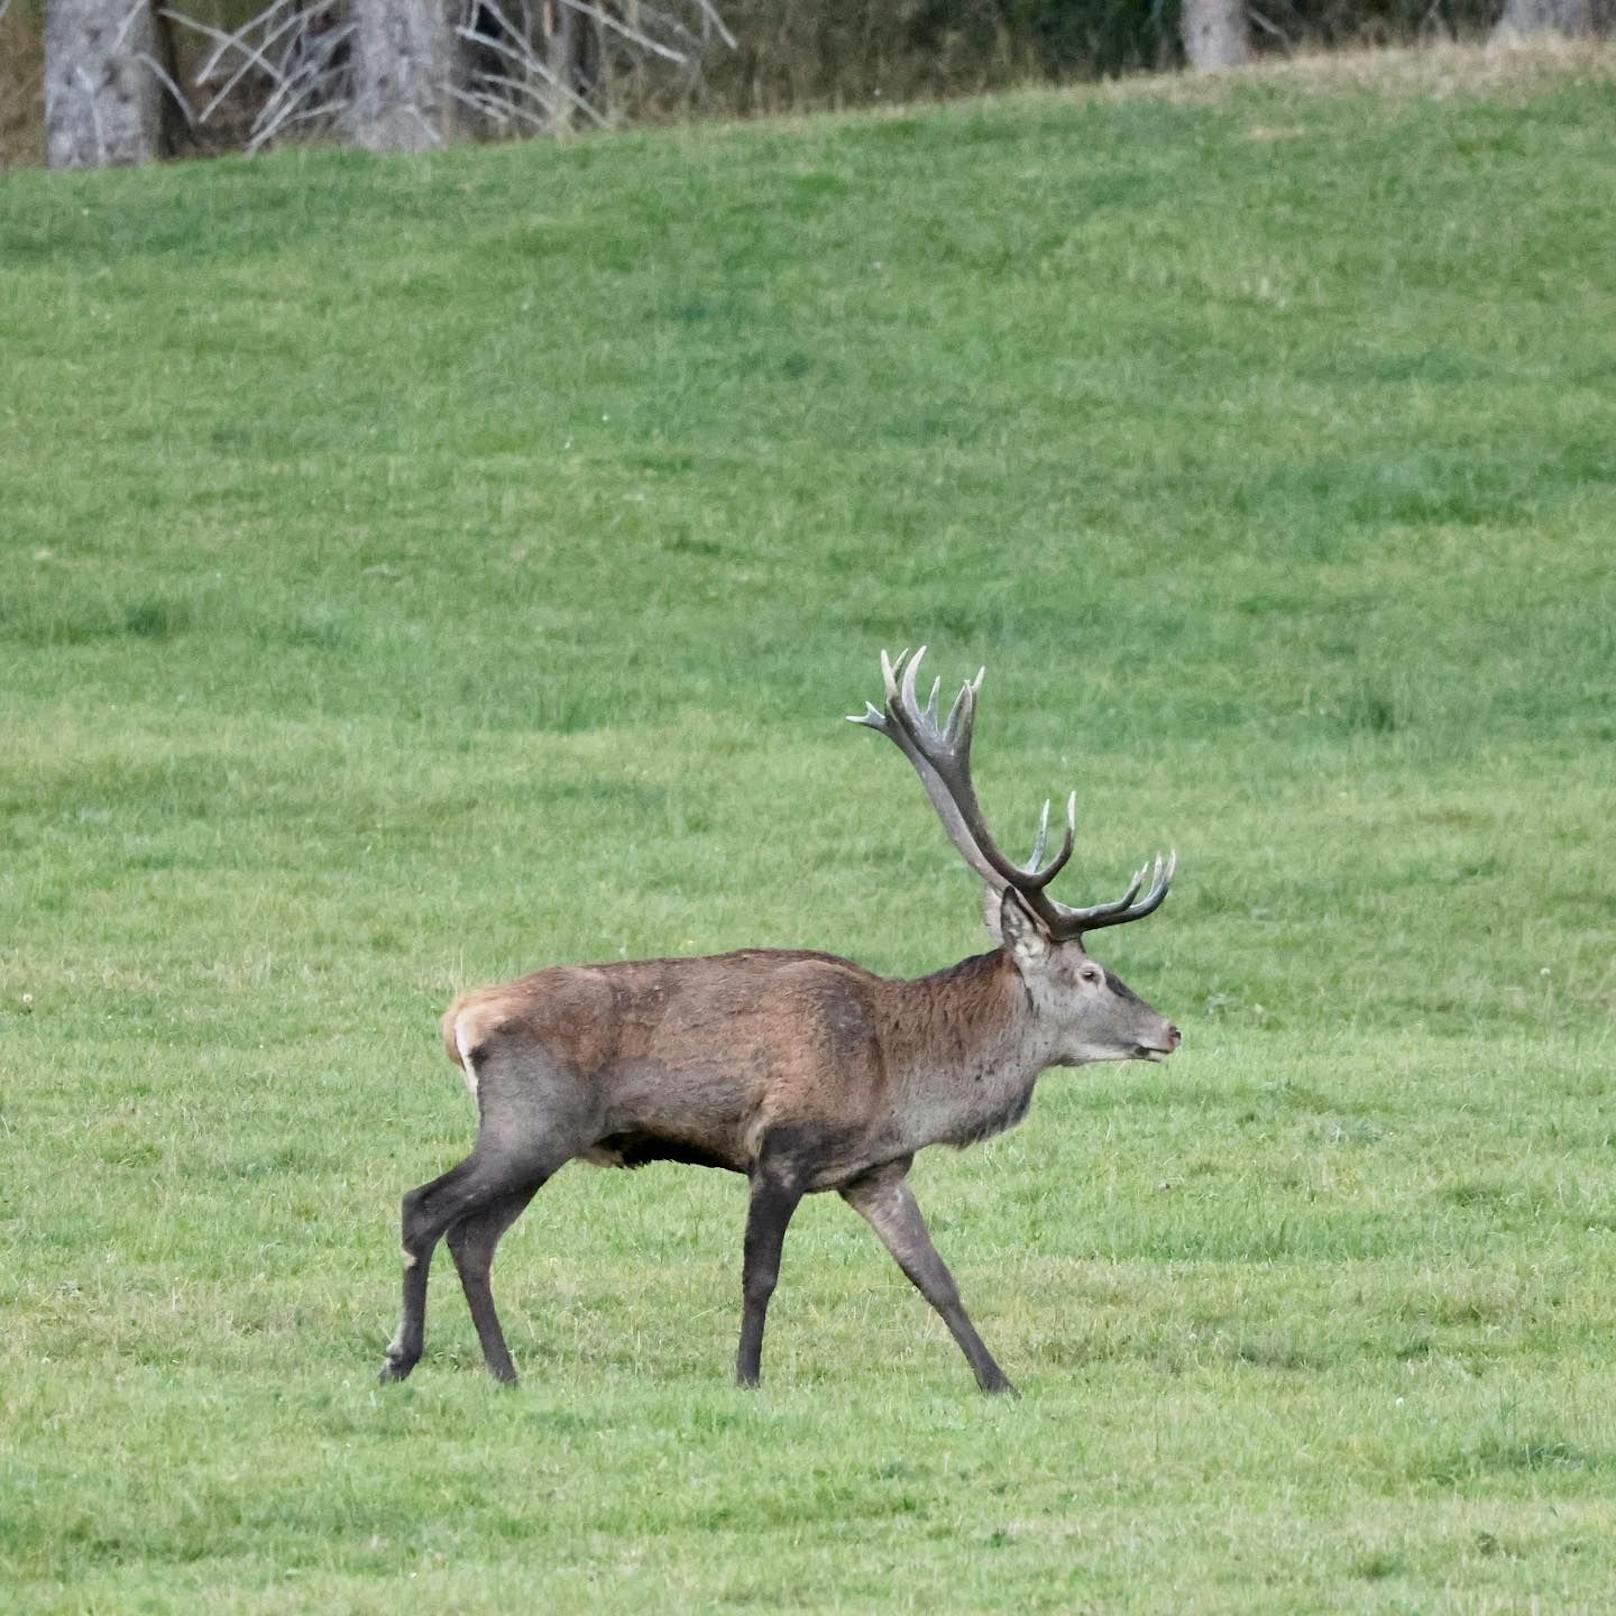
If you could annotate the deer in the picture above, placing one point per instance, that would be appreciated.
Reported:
(797, 1069)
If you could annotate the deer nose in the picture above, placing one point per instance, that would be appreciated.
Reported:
(1174, 1036)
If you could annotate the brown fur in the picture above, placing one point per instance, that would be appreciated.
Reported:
(717, 1053)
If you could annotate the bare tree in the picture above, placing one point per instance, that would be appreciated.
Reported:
(103, 85)
(547, 66)
(402, 75)
(404, 64)
(1215, 34)
(1523, 18)
(286, 68)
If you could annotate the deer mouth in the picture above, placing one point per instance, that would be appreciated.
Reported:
(1150, 1052)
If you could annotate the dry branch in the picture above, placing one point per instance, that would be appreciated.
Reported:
(288, 61)
(519, 65)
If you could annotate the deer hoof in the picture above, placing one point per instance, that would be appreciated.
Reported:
(395, 1369)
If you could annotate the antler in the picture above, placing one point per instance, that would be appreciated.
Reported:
(941, 755)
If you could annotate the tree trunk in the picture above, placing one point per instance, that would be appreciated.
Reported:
(575, 60)
(404, 56)
(562, 50)
(1215, 33)
(102, 100)
(1523, 18)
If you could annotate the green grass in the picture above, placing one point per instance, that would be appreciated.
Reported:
(418, 571)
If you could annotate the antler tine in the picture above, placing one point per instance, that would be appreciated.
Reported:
(1035, 878)
(1043, 836)
(908, 710)
(1133, 888)
(891, 668)
(1068, 841)
(873, 717)
(963, 713)
(1075, 921)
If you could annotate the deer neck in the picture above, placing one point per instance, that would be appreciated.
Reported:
(966, 1053)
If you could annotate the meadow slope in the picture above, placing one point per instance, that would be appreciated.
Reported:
(418, 571)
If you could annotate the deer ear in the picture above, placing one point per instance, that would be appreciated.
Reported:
(1019, 931)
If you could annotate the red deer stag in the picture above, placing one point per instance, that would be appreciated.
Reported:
(801, 1070)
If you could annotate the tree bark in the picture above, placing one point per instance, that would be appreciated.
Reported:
(103, 103)
(562, 51)
(404, 56)
(1215, 34)
(1523, 18)
(574, 58)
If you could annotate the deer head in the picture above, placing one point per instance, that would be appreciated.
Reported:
(1088, 1013)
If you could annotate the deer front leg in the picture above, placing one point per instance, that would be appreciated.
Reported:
(774, 1199)
(888, 1205)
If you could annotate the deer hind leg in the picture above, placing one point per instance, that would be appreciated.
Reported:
(472, 1242)
(532, 1120)
(427, 1212)
(482, 1196)
(473, 1203)
(888, 1205)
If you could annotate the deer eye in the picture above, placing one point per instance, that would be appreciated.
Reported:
(1090, 973)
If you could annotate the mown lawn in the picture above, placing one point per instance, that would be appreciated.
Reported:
(418, 571)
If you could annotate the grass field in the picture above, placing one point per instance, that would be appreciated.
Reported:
(419, 571)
